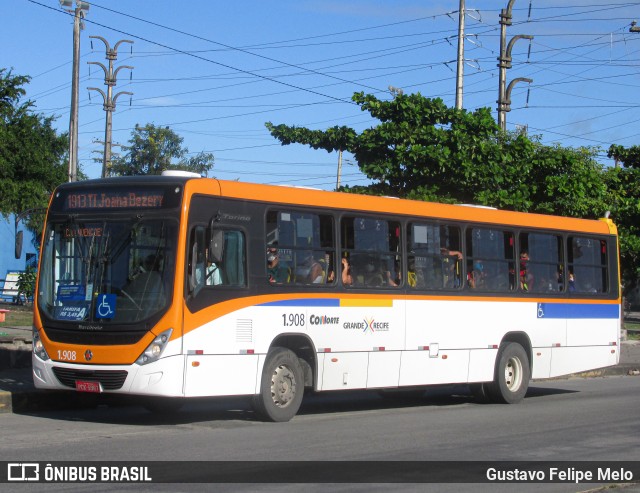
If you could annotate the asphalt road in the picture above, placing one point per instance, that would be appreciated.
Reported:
(593, 419)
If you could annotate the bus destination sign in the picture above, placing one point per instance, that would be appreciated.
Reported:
(114, 199)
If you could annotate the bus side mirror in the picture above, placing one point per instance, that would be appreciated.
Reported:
(19, 244)
(216, 246)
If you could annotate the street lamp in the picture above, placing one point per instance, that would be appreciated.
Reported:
(78, 12)
(110, 80)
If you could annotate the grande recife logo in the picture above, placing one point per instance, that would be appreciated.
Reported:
(368, 325)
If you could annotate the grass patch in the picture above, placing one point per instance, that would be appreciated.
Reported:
(633, 331)
(17, 316)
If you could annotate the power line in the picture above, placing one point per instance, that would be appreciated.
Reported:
(177, 50)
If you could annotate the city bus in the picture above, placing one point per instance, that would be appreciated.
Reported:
(177, 286)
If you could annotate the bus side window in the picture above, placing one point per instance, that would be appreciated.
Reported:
(434, 256)
(300, 248)
(218, 259)
(373, 252)
(588, 271)
(540, 263)
(490, 260)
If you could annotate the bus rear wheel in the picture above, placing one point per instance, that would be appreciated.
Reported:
(281, 386)
(512, 375)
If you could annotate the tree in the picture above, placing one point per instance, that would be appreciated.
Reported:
(420, 144)
(424, 150)
(26, 285)
(531, 177)
(153, 149)
(32, 155)
(623, 184)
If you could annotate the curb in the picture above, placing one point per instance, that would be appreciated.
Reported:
(32, 400)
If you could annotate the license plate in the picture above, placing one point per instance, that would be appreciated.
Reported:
(82, 386)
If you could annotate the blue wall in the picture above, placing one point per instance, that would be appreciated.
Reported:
(8, 262)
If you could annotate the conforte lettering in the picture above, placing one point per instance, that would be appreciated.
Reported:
(323, 320)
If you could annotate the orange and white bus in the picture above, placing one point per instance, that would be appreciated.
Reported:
(171, 287)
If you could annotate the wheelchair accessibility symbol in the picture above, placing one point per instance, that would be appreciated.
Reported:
(106, 306)
(540, 310)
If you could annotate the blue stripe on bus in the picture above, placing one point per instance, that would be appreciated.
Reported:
(545, 310)
(575, 310)
(305, 302)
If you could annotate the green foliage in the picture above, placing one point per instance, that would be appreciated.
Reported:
(333, 139)
(154, 149)
(26, 284)
(630, 157)
(623, 185)
(533, 177)
(32, 155)
(424, 150)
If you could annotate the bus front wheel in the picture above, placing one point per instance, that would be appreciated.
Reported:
(281, 386)
(512, 375)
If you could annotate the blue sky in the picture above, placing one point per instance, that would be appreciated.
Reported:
(215, 72)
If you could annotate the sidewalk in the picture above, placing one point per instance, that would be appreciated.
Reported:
(18, 394)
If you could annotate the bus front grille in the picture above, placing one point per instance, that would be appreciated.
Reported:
(109, 379)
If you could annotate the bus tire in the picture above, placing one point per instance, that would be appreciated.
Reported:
(281, 386)
(512, 375)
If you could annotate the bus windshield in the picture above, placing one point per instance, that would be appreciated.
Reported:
(114, 271)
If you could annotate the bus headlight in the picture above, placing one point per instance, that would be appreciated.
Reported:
(38, 347)
(155, 349)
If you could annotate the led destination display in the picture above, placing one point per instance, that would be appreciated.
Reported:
(115, 199)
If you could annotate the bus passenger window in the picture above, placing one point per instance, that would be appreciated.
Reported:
(490, 260)
(300, 248)
(434, 258)
(371, 250)
(588, 265)
(540, 263)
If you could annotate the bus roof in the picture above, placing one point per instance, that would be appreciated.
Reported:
(412, 208)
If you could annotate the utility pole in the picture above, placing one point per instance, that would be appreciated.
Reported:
(109, 106)
(460, 65)
(78, 14)
(504, 94)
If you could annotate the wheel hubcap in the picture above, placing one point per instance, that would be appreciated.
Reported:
(513, 374)
(283, 386)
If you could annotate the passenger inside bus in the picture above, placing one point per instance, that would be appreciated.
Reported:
(276, 273)
(310, 271)
(476, 276)
(450, 268)
(526, 277)
(347, 280)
